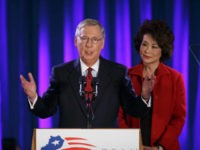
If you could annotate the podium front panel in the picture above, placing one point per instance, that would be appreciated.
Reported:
(87, 139)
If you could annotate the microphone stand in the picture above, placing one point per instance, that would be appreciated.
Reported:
(90, 113)
(85, 95)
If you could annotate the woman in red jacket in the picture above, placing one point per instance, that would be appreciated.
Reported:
(163, 123)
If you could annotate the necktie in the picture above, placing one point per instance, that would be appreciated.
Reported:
(88, 87)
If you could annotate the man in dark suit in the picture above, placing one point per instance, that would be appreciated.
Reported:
(111, 88)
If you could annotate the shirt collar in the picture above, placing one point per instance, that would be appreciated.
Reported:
(84, 68)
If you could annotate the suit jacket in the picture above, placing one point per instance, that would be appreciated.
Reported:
(169, 106)
(115, 89)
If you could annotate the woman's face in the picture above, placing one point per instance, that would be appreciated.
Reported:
(150, 52)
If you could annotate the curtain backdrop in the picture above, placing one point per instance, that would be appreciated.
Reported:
(37, 34)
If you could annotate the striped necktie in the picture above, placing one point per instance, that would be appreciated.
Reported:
(88, 87)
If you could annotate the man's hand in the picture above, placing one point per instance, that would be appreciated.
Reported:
(29, 86)
(147, 86)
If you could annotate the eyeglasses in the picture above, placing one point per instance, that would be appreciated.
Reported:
(94, 40)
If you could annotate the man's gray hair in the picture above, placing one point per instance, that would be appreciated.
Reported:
(89, 22)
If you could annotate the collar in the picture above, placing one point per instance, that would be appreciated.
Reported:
(95, 68)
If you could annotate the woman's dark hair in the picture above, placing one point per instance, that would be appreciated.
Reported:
(161, 33)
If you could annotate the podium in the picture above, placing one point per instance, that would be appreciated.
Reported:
(86, 139)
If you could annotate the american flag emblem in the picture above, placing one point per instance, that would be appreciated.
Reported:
(68, 143)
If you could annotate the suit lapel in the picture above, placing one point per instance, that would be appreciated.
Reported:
(104, 79)
(74, 80)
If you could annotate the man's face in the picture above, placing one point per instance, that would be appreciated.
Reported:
(89, 43)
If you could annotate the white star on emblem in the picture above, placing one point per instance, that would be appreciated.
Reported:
(55, 142)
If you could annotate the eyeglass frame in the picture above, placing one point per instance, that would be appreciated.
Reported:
(94, 40)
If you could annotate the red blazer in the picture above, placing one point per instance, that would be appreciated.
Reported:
(168, 104)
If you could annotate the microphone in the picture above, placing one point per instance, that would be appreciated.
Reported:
(82, 82)
(95, 83)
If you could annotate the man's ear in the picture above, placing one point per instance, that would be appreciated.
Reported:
(103, 42)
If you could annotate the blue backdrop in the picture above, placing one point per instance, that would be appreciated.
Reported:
(37, 34)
